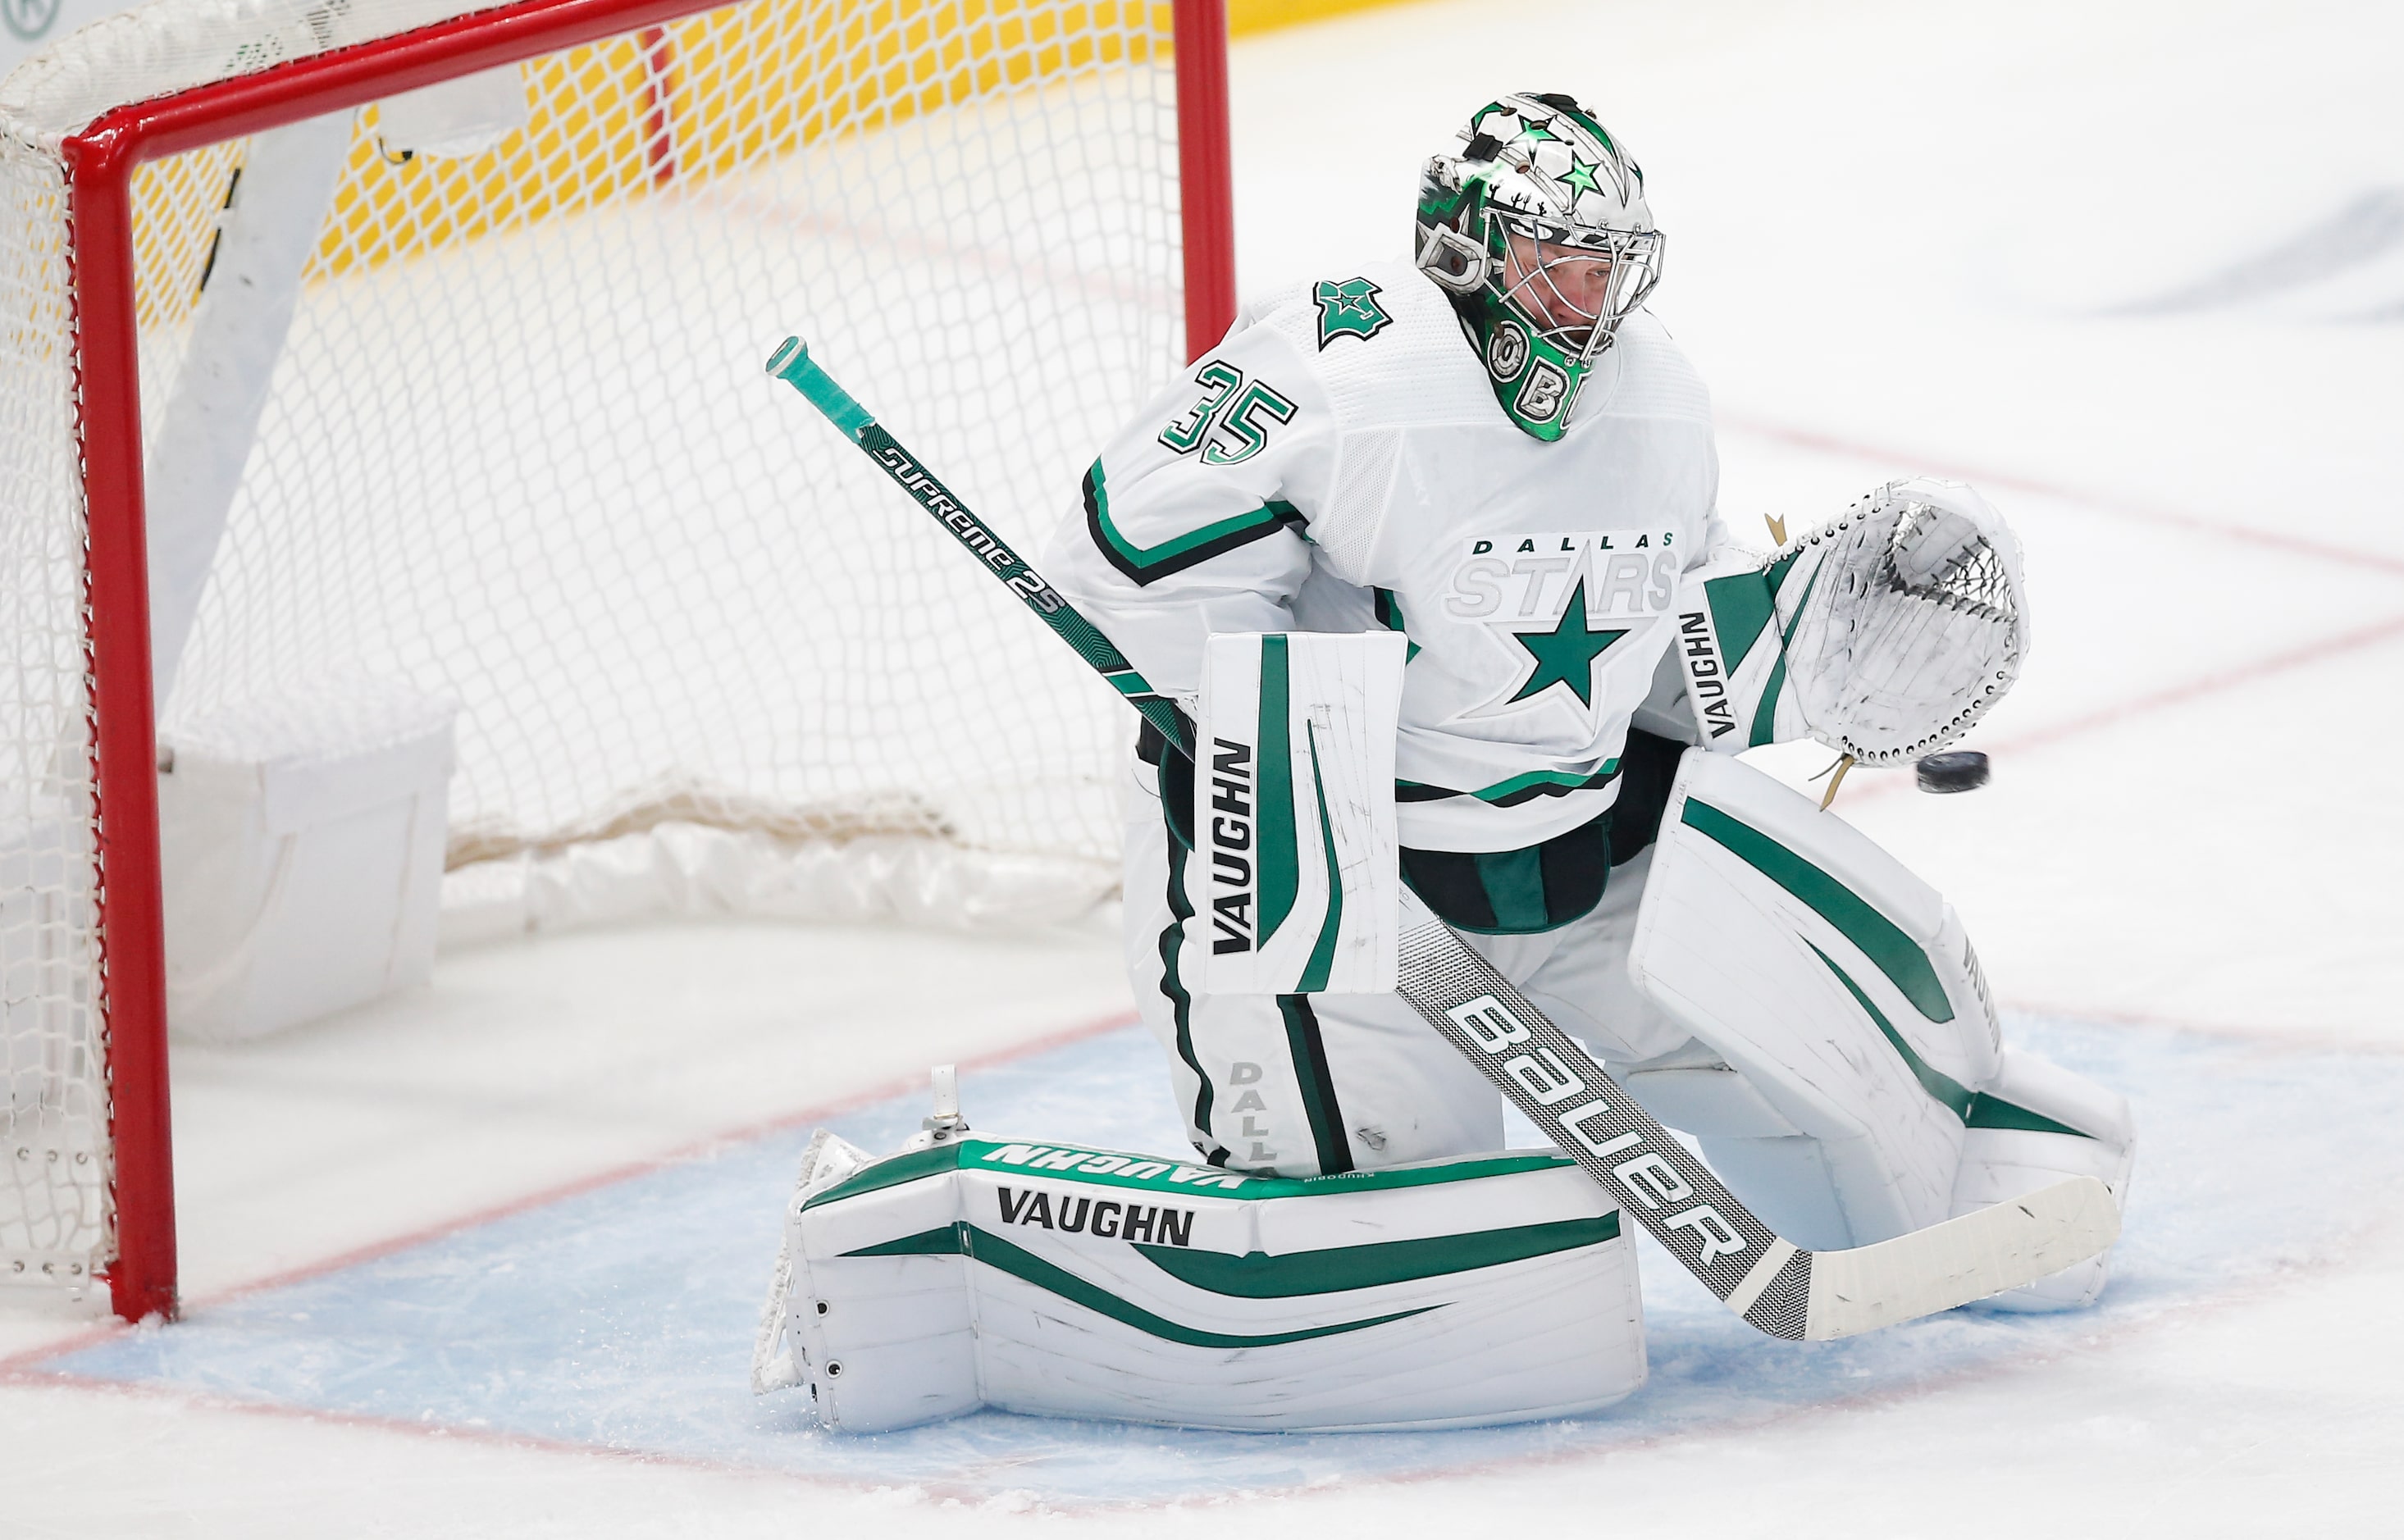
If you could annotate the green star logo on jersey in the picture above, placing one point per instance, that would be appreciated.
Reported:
(1565, 655)
(1348, 309)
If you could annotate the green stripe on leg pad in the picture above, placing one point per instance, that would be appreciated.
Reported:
(1977, 1109)
(1258, 1275)
(1903, 961)
(963, 1239)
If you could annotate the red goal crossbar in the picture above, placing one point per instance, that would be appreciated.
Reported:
(100, 163)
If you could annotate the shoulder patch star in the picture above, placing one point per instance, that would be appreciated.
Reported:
(1348, 309)
(1565, 655)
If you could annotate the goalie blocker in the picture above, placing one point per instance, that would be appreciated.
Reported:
(1293, 813)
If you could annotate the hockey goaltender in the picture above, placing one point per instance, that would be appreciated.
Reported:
(1427, 556)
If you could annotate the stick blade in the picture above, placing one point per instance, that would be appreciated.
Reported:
(2013, 1242)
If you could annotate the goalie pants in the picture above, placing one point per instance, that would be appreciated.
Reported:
(1318, 1085)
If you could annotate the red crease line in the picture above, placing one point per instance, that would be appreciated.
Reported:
(29, 1359)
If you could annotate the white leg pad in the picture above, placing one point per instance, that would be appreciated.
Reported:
(1057, 1280)
(2093, 1135)
(1851, 1085)
(1835, 983)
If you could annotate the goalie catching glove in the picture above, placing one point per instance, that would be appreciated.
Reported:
(1884, 633)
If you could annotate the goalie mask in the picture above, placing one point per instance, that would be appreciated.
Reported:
(1536, 226)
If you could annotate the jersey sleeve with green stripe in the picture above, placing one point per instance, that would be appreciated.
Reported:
(1193, 518)
(1340, 462)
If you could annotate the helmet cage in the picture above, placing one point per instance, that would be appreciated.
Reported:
(1570, 195)
(1634, 257)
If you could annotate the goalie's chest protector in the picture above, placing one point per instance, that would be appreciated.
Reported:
(1536, 580)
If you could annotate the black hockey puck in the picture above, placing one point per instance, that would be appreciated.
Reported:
(1963, 769)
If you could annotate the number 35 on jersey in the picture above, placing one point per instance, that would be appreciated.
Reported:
(1231, 421)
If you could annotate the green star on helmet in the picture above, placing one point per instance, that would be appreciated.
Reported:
(1537, 130)
(1581, 174)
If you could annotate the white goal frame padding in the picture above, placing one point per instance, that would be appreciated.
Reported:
(265, 241)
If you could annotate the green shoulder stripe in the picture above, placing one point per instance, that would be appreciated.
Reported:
(1145, 564)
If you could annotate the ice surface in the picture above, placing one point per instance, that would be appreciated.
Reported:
(621, 1317)
(1904, 238)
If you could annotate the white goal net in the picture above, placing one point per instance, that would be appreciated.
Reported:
(513, 450)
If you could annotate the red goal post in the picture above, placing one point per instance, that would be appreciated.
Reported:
(127, 968)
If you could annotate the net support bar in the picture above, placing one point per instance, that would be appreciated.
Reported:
(1205, 174)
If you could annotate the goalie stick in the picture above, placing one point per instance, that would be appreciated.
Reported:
(1775, 1285)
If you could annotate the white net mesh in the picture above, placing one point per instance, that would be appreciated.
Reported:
(53, 1211)
(519, 450)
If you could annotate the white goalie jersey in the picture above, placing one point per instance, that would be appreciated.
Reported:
(1339, 463)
